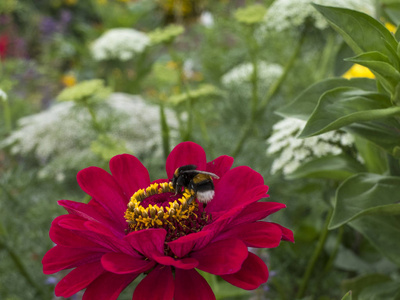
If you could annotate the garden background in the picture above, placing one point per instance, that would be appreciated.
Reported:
(82, 81)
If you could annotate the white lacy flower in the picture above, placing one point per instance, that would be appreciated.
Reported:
(3, 95)
(293, 151)
(286, 14)
(61, 136)
(206, 19)
(119, 43)
(242, 73)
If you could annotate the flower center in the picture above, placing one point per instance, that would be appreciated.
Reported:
(157, 206)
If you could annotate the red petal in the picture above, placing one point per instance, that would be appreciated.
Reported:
(220, 166)
(108, 286)
(90, 212)
(158, 285)
(186, 153)
(256, 211)
(258, 234)
(185, 244)
(239, 187)
(183, 263)
(70, 238)
(130, 173)
(287, 234)
(189, 284)
(59, 258)
(100, 185)
(121, 263)
(253, 273)
(78, 279)
(149, 242)
(222, 257)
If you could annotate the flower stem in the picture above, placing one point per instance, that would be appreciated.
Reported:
(7, 115)
(278, 83)
(164, 131)
(259, 109)
(314, 257)
(186, 89)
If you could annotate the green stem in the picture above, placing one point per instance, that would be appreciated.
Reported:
(186, 89)
(335, 251)
(164, 131)
(22, 269)
(7, 115)
(326, 61)
(95, 122)
(258, 111)
(394, 165)
(314, 257)
(278, 83)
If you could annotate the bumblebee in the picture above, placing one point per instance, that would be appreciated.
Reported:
(199, 183)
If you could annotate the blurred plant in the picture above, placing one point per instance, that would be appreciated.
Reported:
(119, 44)
(286, 15)
(294, 152)
(64, 137)
(177, 10)
(6, 110)
(166, 34)
(239, 78)
(368, 109)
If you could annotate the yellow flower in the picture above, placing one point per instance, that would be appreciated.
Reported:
(358, 71)
(70, 2)
(181, 7)
(68, 80)
(392, 28)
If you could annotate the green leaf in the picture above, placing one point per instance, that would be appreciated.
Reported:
(360, 31)
(375, 159)
(384, 133)
(337, 167)
(381, 66)
(348, 296)
(382, 231)
(365, 194)
(342, 106)
(357, 284)
(303, 106)
(386, 290)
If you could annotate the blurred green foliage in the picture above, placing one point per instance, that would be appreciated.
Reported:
(48, 49)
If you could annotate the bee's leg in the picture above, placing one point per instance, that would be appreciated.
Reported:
(190, 200)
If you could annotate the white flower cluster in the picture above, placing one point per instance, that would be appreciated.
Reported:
(286, 14)
(267, 73)
(3, 95)
(61, 136)
(293, 151)
(119, 43)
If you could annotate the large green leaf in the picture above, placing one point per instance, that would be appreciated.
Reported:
(382, 231)
(361, 32)
(337, 167)
(381, 66)
(357, 284)
(343, 106)
(305, 103)
(388, 291)
(375, 159)
(365, 194)
(384, 133)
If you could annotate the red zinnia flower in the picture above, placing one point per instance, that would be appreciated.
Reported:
(133, 226)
